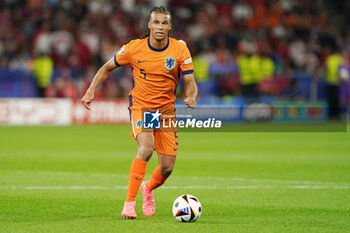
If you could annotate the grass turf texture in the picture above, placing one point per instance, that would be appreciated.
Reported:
(73, 179)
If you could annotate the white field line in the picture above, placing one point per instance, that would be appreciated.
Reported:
(215, 178)
(170, 187)
(306, 182)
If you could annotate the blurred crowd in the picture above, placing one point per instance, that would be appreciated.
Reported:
(239, 47)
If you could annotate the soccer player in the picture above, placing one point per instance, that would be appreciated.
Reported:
(157, 63)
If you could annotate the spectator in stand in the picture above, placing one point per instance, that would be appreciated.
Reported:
(63, 87)
(267, 65)
(242, 11)
(268, 68)
(333, 63)
(41, 41)
(42, 71)
(249, 71)
(62, 44)
(344, 74)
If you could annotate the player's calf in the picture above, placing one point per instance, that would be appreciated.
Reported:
(165, 171)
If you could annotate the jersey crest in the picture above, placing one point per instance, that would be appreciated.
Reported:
(170, 63)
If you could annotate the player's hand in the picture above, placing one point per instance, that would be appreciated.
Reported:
(87, 99)
(190, 102)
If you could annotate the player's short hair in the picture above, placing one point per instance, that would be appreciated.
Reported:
(157, 9)
(160, 9)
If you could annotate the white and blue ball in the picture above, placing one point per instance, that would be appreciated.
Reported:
(187, 208)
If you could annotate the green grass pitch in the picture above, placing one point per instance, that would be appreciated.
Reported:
(73, 179)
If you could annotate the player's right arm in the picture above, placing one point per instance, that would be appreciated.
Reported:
(101, 75)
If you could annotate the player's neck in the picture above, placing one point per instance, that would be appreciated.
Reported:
(158, 44)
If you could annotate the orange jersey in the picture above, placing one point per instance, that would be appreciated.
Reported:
(155, 72)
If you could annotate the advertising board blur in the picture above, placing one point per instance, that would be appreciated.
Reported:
(29, 111)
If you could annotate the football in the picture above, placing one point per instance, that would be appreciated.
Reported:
(187, 208)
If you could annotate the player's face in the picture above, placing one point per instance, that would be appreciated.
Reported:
(159, 25)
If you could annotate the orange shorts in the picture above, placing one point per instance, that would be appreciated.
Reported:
(165, 141)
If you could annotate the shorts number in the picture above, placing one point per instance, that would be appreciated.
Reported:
(142, 71)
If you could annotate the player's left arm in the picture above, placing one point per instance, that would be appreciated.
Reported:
(191, 90)
(186, 66)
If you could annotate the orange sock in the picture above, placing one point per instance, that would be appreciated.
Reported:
(137, 173)
(156, 180)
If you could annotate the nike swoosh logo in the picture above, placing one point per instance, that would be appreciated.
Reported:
(136, 178)
(138, 61)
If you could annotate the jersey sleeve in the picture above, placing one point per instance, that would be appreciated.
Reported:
(186, 64)
(122, 57)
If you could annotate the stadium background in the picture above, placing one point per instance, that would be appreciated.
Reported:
(298, 49)
(73, 178)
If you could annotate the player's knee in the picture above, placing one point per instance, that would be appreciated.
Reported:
(145, 152)
(166, 170)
